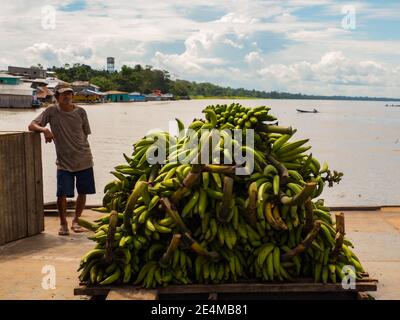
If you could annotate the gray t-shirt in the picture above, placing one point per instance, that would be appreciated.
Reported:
(70, 130)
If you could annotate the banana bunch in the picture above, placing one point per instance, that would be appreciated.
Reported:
(181, 222)
(236, 116)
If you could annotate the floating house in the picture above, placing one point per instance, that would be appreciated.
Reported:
(156, 95)
(87, 92)
(43, 93)
(9, 79)
(84, 85)
(14, 93)
(117, 96)
(167, 96)
(54, 82)
(137, 97)
(89, 96)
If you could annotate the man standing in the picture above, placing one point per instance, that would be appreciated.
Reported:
(69, 130)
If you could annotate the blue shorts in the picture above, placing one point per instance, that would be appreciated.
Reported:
(66, 182)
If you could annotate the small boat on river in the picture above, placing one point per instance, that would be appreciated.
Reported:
(307, 111)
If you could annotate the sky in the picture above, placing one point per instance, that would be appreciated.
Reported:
(310, 46)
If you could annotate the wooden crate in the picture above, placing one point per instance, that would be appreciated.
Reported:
(21, 186)
(300, 289)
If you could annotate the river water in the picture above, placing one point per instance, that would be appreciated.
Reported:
(360, 139)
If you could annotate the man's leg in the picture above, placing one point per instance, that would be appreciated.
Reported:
(80, 205)
(84, 185)
(65, 188)
(62, 210)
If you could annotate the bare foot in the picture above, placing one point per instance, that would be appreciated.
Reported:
(63, 231)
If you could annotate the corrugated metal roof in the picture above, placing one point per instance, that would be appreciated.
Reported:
(43, 92)
(18, 90)
(37, 80)
(115, 92)
(87, 91)
(80, 83)
(83, 84)
(6, 75)
(54, 82)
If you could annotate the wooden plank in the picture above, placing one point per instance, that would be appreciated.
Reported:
(3, 172)
(363, 296)
(52, 205)
(30, 185)
(39, 182)
(257, 288)
(14, 195)
(18, 189)
(355, 208)
(92, 291)
(6, 183)
(7, 133)
(213, 296)
(129, 294)
(239, 288)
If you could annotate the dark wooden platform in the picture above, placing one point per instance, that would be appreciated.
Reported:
(301, 289)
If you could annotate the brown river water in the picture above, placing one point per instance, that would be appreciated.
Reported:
(360, 139)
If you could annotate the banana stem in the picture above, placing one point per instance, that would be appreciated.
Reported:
(219, 168)
(196, 247)
(133, 198)
(274, 129)
(252, 207)
(193, 177)
(112, 225)
(340, 232)
(304, 245)
(299, 198)
(173, 213)
(179, 194)
(154, 172)
(173, 245)
(227, 198)
(283, 172)
(309, 215)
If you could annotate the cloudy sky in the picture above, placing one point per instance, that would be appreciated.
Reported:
(310, 46)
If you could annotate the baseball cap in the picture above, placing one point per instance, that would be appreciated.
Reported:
(61, 88)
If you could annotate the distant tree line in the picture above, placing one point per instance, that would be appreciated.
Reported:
(146, 79)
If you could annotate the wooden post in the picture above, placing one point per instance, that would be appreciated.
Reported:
(34, 189)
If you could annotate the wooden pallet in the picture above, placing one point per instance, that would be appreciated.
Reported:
(304, 289)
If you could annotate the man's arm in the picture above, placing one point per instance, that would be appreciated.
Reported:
(86, 126)
(36, 127)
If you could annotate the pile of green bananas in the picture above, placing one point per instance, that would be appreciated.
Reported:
(188, 222)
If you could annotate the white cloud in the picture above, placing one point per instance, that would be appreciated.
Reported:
(336, 69)
(234, 47)
(198, 55)
(55, 56)
(233, 44)
(254, 58)
(322, 34)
